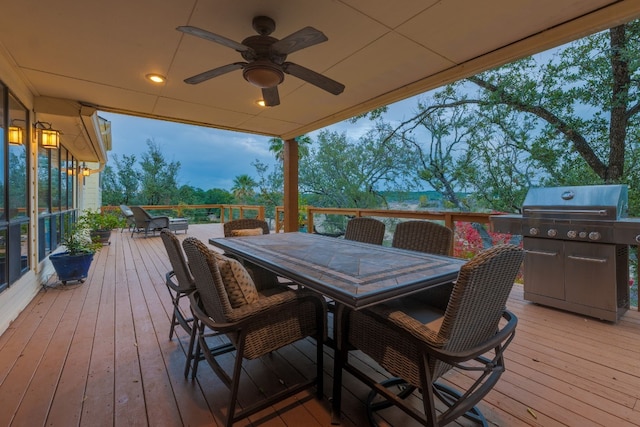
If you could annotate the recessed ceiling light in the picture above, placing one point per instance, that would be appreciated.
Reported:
(156, 78)
(260, 102)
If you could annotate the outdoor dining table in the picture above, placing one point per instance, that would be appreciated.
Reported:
(353, 274)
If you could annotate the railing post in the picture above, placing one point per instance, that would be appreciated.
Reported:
(309, 221)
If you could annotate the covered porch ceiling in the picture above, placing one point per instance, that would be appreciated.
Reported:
(91, 56)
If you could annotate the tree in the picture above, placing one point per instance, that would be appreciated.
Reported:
(128, 178)
(112, 191)
(243, 188)
(276, 146)
(343, 173)
(270, 184)
(439, 140)
(158, 177)
(567, 117)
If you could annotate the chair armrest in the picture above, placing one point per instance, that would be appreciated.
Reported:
(274, 302)
(505, 334)
(251, 313)
(173, 285)
(159, 222)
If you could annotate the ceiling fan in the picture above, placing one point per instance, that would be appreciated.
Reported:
(265, 58)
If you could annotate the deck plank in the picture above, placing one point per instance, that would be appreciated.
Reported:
(99, 353)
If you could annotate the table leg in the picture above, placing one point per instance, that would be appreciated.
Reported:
(340, 355)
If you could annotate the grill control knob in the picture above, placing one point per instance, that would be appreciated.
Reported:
(552, 232)
(582, 234)
(594, 235)
(638, 238)
(572, 234)
(534, 231)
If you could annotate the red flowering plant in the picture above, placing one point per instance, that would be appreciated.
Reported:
(468, 241)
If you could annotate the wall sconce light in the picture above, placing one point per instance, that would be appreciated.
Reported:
(15, 135)
(47, 137)
(86, 171)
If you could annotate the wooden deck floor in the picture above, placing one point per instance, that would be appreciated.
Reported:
(98, 354)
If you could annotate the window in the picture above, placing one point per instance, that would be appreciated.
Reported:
(14, 189)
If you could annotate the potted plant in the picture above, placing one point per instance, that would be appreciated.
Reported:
(100, 224)
(74, 262)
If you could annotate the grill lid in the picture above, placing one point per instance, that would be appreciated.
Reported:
(591, 202)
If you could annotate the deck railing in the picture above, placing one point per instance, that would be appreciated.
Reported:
(213, 212)
(450, 219)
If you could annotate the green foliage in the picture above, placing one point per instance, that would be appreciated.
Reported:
(94, 220)
(565, 117)
(128, 179)
(158, 176)
(78, 240)
(243, 189)
(343, 173)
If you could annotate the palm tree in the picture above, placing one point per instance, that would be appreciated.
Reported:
(243, 188)
(276, 146)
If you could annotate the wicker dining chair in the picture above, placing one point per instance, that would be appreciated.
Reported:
(423, 236)
(252, 226)
(365, 230)
(257, 323)
(231, 227)
(418, 344)
(179, 281)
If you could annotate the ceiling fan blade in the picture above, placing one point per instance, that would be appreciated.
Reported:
(301, 39)
(199, 78)
(207, 35)
(314, 78)
(270, 96)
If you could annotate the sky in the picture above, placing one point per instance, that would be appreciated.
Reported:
(212, 158)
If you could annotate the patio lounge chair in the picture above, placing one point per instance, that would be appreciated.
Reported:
(365, 230)
(185, 284)
(256, 321)
(418, 344)
(145, 222)
(127, 213)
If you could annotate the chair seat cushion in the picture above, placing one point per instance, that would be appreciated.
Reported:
(429, 316)
(247, 232)
(240, 287)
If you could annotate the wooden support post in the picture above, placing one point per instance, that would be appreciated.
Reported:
(290, 185)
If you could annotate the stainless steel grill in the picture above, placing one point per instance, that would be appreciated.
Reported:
(576, 241)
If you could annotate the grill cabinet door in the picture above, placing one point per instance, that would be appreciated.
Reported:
(543, 268)
(590, 274)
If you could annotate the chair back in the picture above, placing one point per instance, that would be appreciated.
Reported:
(126, 211)
(365, 230)
(208, 280)
(178, 262)
(140, 216)
(423, 236)
(243, 224)
(478, 299)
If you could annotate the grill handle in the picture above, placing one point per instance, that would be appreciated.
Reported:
(587, 259)
(541, 253)
(594, 212)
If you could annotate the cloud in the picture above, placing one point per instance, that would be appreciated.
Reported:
(209, 158)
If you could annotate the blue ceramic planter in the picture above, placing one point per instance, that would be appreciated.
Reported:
(71, 267)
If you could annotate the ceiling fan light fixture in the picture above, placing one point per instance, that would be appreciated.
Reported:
(263, 74)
